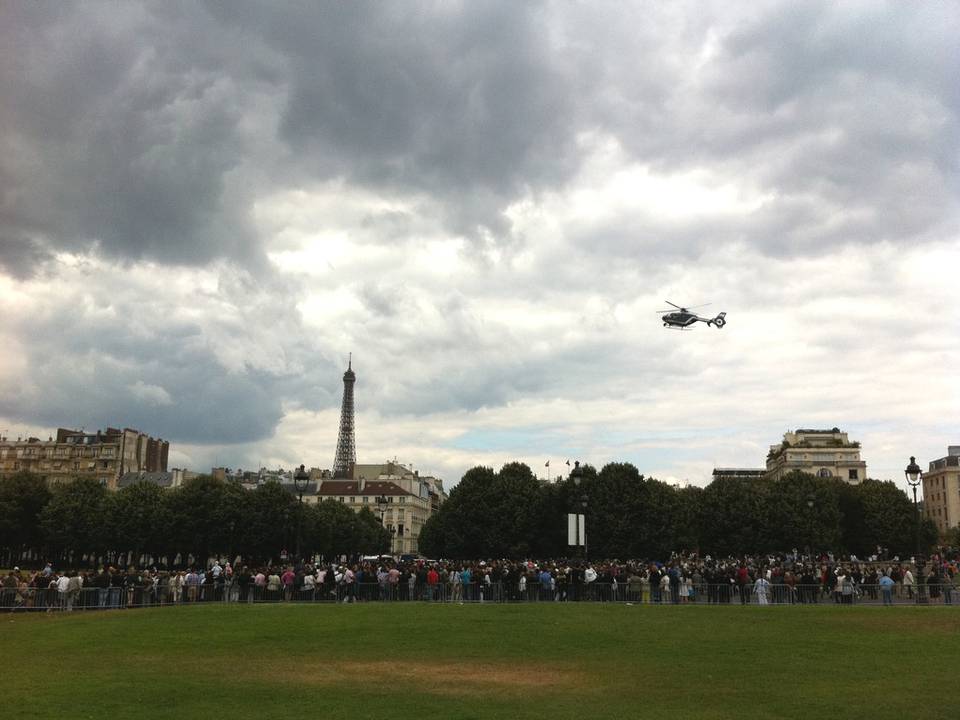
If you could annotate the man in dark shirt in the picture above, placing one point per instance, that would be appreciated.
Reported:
(244, 580)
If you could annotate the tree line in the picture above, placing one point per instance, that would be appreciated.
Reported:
(505, 513)
(82, 522)
(511, 513)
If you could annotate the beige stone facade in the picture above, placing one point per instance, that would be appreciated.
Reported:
(941, 491)
(104, 455)
(411, 499)
(825, 453)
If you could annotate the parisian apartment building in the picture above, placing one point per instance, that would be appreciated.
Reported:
(824, 453)
(410, 499)
(104, 455)
(941, 490)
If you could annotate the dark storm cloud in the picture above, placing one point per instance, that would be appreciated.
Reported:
(21, 258)
(121, 132)
(466, 102)
(218, 366)
(149, 130)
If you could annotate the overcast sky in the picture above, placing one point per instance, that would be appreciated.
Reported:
(205, 207)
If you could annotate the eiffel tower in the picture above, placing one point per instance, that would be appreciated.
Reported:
(346, 447)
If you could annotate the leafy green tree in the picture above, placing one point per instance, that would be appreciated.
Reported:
(792, 522)
(232, 520)
(22, 498)
(733, 517)
(468, 516)
(372, 537)
(272, 522)
(73, 520)
(687, 525)
(137, 518)
(614, 502)
(432, 541)
(336, 528)
(193, 507)
(888, 519)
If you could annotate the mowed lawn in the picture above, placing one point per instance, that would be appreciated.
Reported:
(490, 661)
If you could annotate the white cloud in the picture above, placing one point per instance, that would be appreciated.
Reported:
(150, 393)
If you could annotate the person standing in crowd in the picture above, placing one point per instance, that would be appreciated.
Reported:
(886, 589)
(908, 582)
(761, 588)
(176, 587)
(102, 583)
(244, 582)
(287, 580)
(63, 589)
(350, 581)
(273, 586)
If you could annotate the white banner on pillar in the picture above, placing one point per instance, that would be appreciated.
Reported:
(576, 529)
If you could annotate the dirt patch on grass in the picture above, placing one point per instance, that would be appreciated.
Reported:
(441, 678)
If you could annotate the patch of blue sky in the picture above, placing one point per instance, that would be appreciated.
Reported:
(529, 440)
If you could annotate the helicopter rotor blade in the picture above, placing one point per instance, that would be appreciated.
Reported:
(694, 307)
(670, 303)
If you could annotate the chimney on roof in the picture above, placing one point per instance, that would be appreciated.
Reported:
(361, 484)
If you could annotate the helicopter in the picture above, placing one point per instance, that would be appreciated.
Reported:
(682, 318)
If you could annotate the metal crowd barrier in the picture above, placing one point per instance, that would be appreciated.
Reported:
(633, 592)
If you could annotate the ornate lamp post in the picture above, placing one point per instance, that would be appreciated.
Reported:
(914, 477)
(577, 476)
(300, 480)
(811, 501)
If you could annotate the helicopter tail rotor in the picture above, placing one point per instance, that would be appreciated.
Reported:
(719, 320)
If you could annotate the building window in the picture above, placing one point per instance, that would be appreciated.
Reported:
(402, 500)
(366, 499)
(824, 473)
(853, 474)
(352, 499)
(341, 499)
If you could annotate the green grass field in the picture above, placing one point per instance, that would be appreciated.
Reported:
(467, 661)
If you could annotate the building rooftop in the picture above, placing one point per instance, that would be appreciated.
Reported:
(351, 487)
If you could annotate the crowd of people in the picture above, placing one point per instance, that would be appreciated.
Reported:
(685, 578)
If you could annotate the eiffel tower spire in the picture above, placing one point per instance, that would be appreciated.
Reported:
(346, 447)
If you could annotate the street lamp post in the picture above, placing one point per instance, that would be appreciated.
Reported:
(382, 507)
(914, 477)
(300, 480)
(810, 503)
(577, 476)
